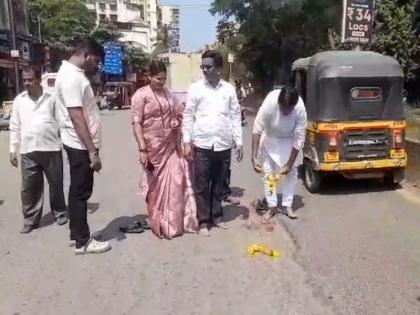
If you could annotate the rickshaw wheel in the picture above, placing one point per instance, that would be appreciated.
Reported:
(393, 179)
(312, 178)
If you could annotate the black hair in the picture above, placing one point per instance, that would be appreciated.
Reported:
(35, 69)
(288, 96)
(216, 56)
(156, 66)
(89, 46)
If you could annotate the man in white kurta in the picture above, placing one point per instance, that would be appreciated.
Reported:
(278, 139)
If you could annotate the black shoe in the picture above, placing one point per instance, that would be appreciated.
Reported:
(28, 229)
(62, 220)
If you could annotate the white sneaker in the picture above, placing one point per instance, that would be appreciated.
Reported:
(220, 224)
(93, 247)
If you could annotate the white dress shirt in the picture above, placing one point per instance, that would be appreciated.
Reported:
(73, 89)
(281, 133)
(212, 116)
(33, 124)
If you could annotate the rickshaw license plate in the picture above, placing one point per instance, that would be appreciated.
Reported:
(331, 156)
(397, 154)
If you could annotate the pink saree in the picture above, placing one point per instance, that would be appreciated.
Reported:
(168, 190)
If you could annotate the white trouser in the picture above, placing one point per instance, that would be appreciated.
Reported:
(289, 183)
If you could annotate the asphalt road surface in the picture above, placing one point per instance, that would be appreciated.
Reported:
(355, 249)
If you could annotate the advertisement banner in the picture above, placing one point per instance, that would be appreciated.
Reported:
(358, 17)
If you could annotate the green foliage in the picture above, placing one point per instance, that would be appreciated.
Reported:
(267, 35)
(163, 41)
(395, 34)
(136, 56)
(105, 32)
(61, 20)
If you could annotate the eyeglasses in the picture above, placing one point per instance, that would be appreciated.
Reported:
(207, 67)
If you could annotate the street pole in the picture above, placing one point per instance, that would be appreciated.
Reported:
(14, 44)
(39, 28)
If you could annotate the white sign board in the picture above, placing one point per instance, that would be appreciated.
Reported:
(231, 58)
(25, 51)
(14, 53)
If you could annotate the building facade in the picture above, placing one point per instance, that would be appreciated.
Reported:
(24, 44)
(171, 18)
(137, 20)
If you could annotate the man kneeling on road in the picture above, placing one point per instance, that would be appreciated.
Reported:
(34, 133)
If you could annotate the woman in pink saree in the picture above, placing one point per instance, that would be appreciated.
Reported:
(156, 118)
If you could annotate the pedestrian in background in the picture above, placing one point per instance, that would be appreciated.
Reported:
(211, 128)
(81, 136)
(282, 120)
(156, 118)
(34, 134)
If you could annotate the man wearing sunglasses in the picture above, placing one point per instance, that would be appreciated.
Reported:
(211, 128)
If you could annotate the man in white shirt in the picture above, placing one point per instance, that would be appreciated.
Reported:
(282, 121)
(34, 134)
(211, 128)
(81, 136)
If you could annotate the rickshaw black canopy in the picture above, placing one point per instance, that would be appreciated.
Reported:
(351, 85)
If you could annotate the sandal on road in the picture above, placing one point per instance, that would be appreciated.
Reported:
(144, 224)
(134, 228)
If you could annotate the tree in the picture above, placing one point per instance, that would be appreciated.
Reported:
(136, 56)
(163, 41)
(394, 35)
(61, 21)
(268, 35)
(105, 32)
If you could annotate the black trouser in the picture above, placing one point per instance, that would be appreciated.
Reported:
(81, 186)
(33, 167)
(226, 184)
(210, 172)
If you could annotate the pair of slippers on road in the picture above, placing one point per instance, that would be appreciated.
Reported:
(136, 227)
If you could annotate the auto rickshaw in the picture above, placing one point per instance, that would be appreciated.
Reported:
(118, 94)
(356, 120)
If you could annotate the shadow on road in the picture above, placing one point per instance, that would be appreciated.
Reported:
(337, 185)
(93, 207)
(46, 220)
(230, 213)
(237, 192)
(112, 230)
(1, 202)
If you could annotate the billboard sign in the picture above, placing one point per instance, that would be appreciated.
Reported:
(113, 63)
(358, 17)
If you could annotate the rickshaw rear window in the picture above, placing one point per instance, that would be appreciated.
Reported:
(366, 93)
(51, 82)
